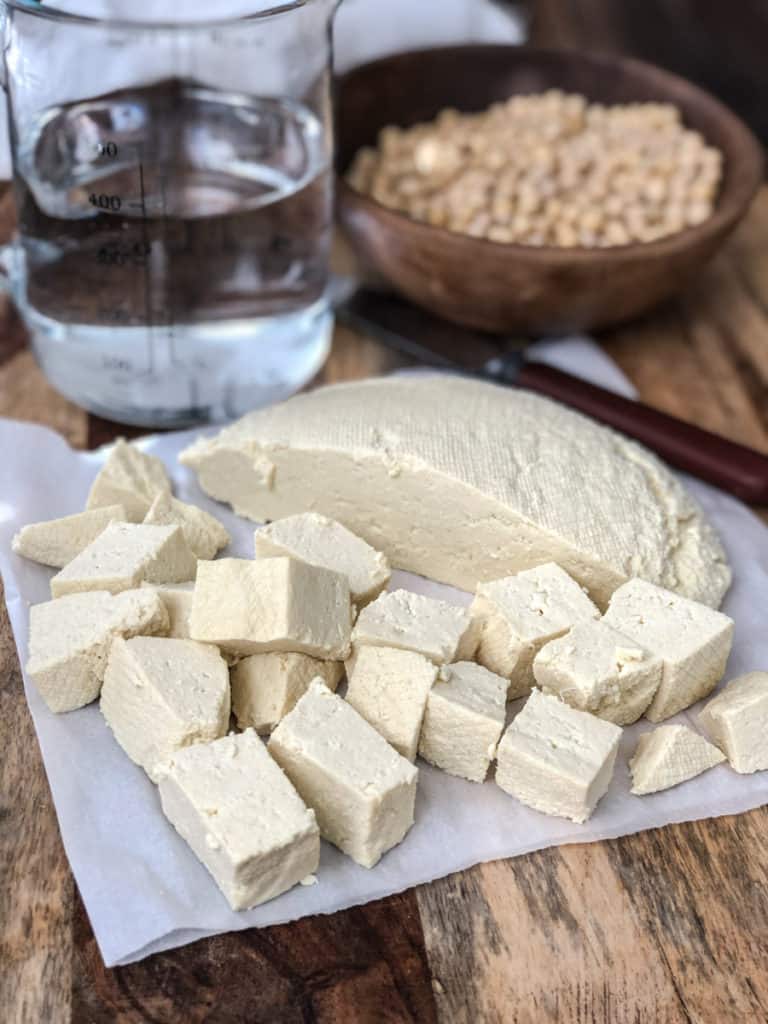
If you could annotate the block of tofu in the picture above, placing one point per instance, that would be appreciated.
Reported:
(57, 541)
(272, 604)
(241, 816)
(69, 640)
(556, 759)
(668, 756)
(124, 556)
(389, 688)
(692, 640)
(265, 687)
(131, 478)
(737, 721)
(362, 791)
(177, 598)
(464, 720)
(321, 541)
(161, 694)
(517, 615)
(597, 669)
(204, 534)
(440, 631)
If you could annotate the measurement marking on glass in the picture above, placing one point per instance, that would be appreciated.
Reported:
(147, 268)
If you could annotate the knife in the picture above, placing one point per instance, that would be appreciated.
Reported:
(423, 336)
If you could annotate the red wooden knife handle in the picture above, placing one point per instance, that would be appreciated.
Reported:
(730, 466)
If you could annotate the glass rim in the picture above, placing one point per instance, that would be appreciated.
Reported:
(54, 14)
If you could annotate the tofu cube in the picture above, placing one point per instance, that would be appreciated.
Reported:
(692, 640)
(241, 816)
(124, 556)
(265, 687)
(57, 541)
(160, 695)
(737, 721)
(597, 669)
(177, 598)
(464, 720)
(389, 688)
(131, 478)
(272, 604)
(668, 756)
(557, 760)
(69, 640)
(517, 615)
(318, 540)
(362, 791)
(440, 631)
(203, 533)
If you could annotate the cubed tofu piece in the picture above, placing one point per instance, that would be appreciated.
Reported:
(160, 695)
(440, 631)
(517, 615)
(126, 555)
(692, 640)
(69, 641)
(177, 598)
(272, 604)
(362, 791)
(57, 541)
(318, 540)
(389, 688)
(737, 721)
(597, 669)
(265, 687)
(556, 759)
(241, 816)
(204, 534)
(131, 478)
(464, 720)
(668, 756)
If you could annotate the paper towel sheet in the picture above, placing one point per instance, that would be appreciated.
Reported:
(143, 888)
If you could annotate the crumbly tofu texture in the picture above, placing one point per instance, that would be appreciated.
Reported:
(517, 615)
(57, 541)
(361, 789)
(126, 555)
(177, 598)
(669, 755)
(737, 721)
(161, 694)
(597, 669)
(131, 478)
(692, 640)
(440, 631)
(265, 687)
(204, 534)
(464, 720)
(557, 760)
(69, 641)
(241, 816)
(272, 604)
(390, 688)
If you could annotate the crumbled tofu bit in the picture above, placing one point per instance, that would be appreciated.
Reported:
(668, 756)
(597, 669)
(265, 687)
(464, 720)
(318, 540)
(361, 789)
(204, 534)
(161, 694)
(737, 721)
(440, 631)
(177, 598)
(518, 614)
(131, 478)
(557, 760)
(57, 541)
(692, 640)
(241, 816)
(389, 688)
(69, 640)
(124, 556)
(272, 604)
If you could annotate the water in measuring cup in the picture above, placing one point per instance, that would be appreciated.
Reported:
(174, 243)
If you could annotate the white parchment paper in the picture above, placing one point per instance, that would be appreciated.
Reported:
(143, 888)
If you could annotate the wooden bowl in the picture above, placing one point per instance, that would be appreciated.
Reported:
(503, 287)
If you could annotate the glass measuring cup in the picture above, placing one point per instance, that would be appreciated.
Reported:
(173, 187)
